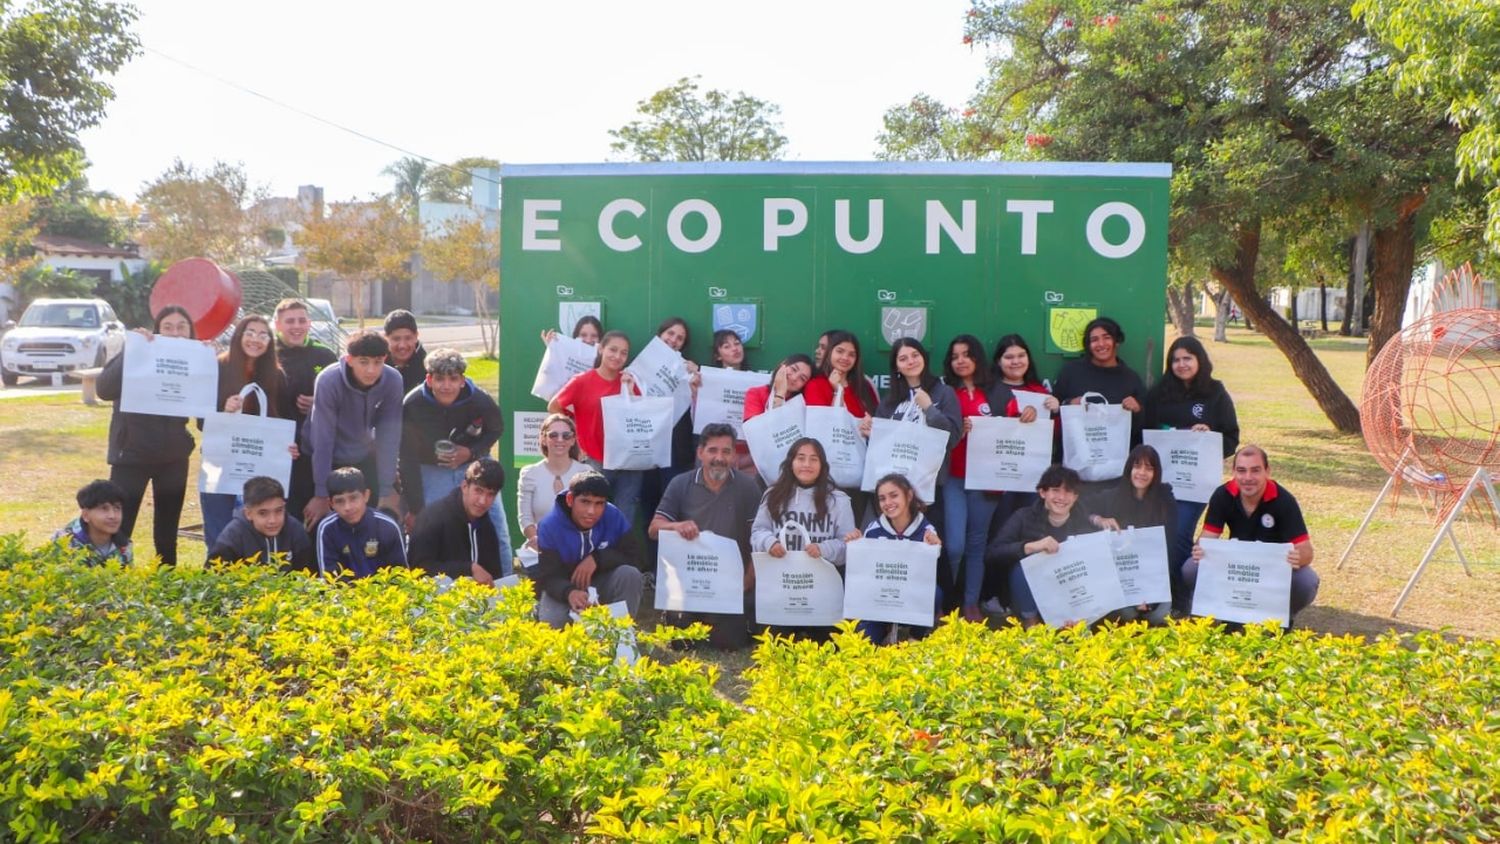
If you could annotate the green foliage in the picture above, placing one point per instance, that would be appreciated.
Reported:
(78, 219)
(681, 125)
(41, 282)
(53, 55)
(176, 705)
(131, 298)
(290, 276)
(171, 705)
(1449, 52)
(1134, 734)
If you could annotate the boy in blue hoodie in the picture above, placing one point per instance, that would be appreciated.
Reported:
(358, 540)
(97, 529)
(585, 541)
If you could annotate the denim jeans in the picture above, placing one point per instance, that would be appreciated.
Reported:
(966, 530)
(438, 481)
(218, 511)
(625, 491)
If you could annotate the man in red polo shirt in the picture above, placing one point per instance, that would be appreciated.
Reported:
(1254, 508)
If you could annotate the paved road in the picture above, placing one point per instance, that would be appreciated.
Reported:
(455, 332)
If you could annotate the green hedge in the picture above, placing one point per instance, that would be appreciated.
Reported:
(242, 705)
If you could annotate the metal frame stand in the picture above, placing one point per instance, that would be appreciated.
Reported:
(1396, 471)
(1481, 479)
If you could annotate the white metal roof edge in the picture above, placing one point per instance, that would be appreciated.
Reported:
(1130, 170)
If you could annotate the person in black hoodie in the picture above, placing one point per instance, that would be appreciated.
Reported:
(455, 536)
(446, 423)
(1142, 499)
(146, 449)
(1189, 397)
(301, 358)
(407, 355)
(264, 531)
(1049, 521)
(1101, 371)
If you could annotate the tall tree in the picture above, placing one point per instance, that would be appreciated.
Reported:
(209, 213)
(412, 177)
(53, 57)
(1450, 51)
(362, 243)
(925, 130)
(681, 125)
(1257, 104)
(467, 251)
(455, 182)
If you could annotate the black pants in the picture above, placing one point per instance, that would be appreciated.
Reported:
(301, 488)
(168, 487)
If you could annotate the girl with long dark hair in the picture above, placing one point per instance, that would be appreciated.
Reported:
(842, 368)
(902, 516)
(1141, 499)
(967, 513)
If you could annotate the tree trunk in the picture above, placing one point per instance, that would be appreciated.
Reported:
(487, 331)
(1395, 258)
(1323, 303)
(1222, 303)
(1359, 259)
(1239, 277)
(1180, 305)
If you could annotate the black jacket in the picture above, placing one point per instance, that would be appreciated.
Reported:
(302, 365)
(473, 421)
(414, 371)
(446, 541)
(241, 541)
(1168, 406)
(1031, 524)
(137, 439)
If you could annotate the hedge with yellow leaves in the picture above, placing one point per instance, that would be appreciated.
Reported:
(241, 705)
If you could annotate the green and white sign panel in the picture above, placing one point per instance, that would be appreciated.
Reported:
(782, 251)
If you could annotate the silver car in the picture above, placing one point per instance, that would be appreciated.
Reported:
(60, 335)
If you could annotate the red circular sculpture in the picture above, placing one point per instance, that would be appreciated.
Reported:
(1431, 406)
(211, 295)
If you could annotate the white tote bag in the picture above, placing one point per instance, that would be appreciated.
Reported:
(1141, 563)
(1078, 583)
(906, 448)
(637, 431)
(837, 429)
(769, 435)
(169, 376)
(1096, 438)
(891, 580)
(1248, 582)
(564, 358)
(721, 397)
(797, 590)
(660, 371)
(706, 574)
(239, 446)
(1006, 454)
(1191, 461)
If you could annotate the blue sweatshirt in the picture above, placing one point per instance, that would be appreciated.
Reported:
(358, 550)
(348, 423)
(562, 545)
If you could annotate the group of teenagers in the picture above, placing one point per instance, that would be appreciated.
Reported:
(983, 535)
(390, 459)
(391, 466)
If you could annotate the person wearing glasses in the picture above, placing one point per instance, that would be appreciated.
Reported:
(543, 481)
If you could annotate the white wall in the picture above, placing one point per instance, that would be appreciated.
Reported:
(83, 262)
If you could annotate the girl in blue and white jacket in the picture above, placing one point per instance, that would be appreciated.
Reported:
(902, 516)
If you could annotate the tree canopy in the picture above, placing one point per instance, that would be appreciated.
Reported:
(679, 124)
(208, 213)
(53, 57)
(361, 242)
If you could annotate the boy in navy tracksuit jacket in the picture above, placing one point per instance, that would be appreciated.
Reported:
(358, 540)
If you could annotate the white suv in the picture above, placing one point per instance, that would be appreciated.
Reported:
(60, 335)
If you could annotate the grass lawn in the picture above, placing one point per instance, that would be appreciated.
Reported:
(51, 445)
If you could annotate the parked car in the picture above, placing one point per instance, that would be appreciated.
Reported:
(325, 324)
(60, 335)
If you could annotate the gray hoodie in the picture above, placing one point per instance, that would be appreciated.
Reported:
(827, 533)
(347, 423)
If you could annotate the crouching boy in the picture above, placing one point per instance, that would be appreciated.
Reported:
(264, 533)
(357, 540)
(585, 541)
(101, 508)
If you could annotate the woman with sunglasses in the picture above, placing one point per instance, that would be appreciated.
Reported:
(541, 482)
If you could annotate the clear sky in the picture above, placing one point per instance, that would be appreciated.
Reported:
(524, 82)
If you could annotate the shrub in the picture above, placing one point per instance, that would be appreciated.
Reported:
(239, 704)
(169, 705)
(1127, 735)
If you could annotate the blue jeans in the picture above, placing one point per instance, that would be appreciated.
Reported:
(218, 511)
(625, 491)
(1021, 601)
(966, 530)
(1180, 548)
(438, 481)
